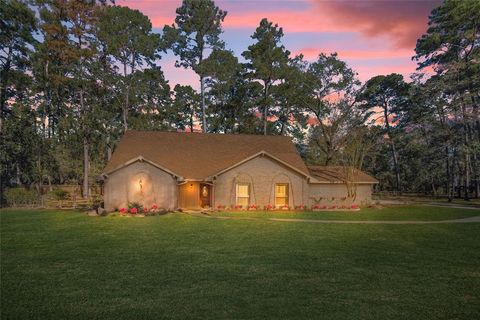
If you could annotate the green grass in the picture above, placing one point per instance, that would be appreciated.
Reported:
(415, 213)
(66, 265)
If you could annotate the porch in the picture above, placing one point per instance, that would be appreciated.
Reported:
(195, 194)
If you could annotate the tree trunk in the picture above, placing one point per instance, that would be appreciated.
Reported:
(395, 165)
(449, 186)
(125, 107)
(265, 107)
(109, 148)
(204, 111)
(18, 180)
(3, 87)
(86, 165)
(392, 146)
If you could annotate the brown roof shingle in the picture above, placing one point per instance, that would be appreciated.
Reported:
(200, 155)
(336, 174)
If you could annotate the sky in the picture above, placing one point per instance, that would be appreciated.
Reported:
(373, 36)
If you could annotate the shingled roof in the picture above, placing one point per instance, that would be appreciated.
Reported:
(336, 174)
(200, 155)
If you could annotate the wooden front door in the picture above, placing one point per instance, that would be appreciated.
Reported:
(205, 195)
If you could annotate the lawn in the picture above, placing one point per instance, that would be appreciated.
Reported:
(66, 265)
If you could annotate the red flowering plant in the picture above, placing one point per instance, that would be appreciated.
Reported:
(135, 205)
(334, 206)
(154, 209)
(268, 207)
(123, 210)
(316, 207)
(252, 207)
(237, 207)
(355, 206)
(221, 207)
(145, 209)
(284, 207)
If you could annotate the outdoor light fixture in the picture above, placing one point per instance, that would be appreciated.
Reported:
(140, 184)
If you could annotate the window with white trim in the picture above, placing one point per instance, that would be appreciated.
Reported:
(281, 194)
(243, 194)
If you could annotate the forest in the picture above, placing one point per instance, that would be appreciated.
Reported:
(76, 74)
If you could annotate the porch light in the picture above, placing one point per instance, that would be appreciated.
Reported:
(140, 185)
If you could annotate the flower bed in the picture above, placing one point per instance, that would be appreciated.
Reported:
(137, 210)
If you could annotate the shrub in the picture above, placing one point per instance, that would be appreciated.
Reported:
(135, 205)
(59, 194)
(20, 197)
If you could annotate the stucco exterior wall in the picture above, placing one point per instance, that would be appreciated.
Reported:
(322, 194)
(140, 182)
(261, 173)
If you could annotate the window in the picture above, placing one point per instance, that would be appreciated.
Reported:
(243, 194)
(281, 194)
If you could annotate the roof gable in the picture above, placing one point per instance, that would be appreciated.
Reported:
(201, 155)
(262, 154)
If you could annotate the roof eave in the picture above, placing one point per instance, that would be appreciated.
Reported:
(141, 159)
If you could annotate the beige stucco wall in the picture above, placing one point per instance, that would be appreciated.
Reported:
(338, 191)
(123, 186)
(262, 173)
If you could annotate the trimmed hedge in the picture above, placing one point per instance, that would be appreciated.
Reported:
(21, 197)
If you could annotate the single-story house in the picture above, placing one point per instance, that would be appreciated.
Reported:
(198, 170)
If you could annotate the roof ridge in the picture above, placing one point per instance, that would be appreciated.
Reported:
(207, 133)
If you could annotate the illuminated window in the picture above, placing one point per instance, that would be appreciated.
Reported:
(243, 194)
(281, 194)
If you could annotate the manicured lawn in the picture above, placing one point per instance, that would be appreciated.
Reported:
(414, 213)
(66, 265)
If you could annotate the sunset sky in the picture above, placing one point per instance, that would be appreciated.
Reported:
(373, 36)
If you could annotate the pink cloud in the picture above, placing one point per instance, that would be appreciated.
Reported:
(366, 72)
(402, 22)
(311, 53)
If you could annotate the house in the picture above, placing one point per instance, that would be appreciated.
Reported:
(197, 170)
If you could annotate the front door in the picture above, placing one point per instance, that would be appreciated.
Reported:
(205, 196)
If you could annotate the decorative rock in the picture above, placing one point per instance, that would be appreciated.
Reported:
(92, 213)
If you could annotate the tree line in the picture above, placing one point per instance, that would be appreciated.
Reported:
(76, 74)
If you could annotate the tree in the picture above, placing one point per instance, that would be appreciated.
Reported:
(129, 39)
(152, 100)
(197, 29)
(231, 96)
(185, 108)
(451, 47)
(17, 23)
(330, 97)
(289, 96)
(266, 59)
(390, 95)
